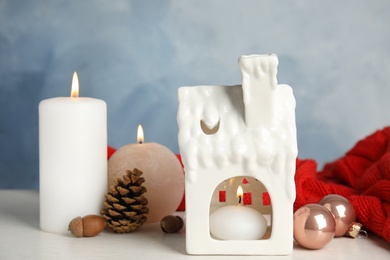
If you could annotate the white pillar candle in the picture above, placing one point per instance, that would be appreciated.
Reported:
(72, 158)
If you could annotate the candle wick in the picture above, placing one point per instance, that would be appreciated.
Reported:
(239, 200)
(140, 142)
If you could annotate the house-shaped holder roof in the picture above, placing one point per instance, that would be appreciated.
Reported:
(239, 131)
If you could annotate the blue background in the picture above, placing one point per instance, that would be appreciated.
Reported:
(135, 54)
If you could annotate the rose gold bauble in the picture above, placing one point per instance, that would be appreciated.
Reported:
(314, 226)
(163, 173)
(342, 210)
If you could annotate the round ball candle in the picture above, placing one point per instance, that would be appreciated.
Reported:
(72, 158)
(163, 173)
(237, 222)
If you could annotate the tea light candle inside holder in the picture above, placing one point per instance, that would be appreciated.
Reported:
(237, 222)
(230, 131)
(163, 173)
(72, 158)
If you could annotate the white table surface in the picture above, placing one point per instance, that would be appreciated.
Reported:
(21, 238)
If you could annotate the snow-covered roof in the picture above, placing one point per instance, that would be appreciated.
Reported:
(255, 122)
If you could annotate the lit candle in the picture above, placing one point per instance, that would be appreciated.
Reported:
(237, 222)
(72, 158)
(163, 173)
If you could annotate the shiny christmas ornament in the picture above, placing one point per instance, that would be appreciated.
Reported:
(314, 226)
(343, 212)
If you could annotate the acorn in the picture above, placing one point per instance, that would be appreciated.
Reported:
(171, 224)
(88, 226)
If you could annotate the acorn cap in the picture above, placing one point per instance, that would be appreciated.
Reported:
(76, 227)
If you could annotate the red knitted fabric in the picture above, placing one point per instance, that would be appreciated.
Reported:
(110, 151)
(182, 206)
(362, 175)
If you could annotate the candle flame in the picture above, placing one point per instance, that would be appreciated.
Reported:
(75, 85)
(140, 134)
(240, 193)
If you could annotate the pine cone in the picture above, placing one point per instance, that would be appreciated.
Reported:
(125, 206)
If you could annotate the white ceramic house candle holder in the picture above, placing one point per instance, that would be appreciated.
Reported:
(227, 136)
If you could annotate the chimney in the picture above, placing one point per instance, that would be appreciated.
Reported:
(259, 84)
